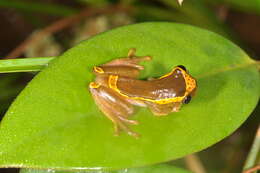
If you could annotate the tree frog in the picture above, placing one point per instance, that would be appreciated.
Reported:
(116, 89)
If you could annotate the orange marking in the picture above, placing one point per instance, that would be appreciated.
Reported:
(94, 85)
(98, 70)
(112, 81)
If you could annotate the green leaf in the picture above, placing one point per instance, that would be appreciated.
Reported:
(54, 122)
(160, 168)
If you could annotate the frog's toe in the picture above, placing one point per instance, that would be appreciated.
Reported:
(175, 109)
(116, 130)
(139, 67)
(134, 134)
(131, 52)
(121, 125)
(134, 122)
(146, 58)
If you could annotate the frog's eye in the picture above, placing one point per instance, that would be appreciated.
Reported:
(187, 99)
(182, 67)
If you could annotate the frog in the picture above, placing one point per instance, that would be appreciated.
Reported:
(117, 90)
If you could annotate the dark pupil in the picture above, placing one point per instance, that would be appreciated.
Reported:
(187, 100)
(182, 67)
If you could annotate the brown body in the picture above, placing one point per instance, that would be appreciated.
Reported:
(116, 89)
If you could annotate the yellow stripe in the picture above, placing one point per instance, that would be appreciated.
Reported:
(166, 75)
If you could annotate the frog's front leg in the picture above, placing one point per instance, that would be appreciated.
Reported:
(114, 107)
(163, 109)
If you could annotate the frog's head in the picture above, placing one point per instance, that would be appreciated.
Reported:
(191, 84)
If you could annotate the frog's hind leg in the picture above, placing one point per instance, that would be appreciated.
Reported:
(131, 60)
(125, 71)
(127, 66)
(114, 107)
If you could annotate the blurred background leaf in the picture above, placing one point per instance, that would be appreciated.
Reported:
(38, 7)
(251, 6)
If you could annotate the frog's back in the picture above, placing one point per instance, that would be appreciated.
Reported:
(170, 86)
